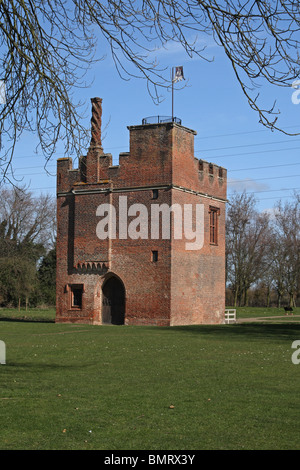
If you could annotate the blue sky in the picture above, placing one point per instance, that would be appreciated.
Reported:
(258, 160)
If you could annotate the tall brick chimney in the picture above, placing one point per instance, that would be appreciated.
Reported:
(90, 163)
(96, 123)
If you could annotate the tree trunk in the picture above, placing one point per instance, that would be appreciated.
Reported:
(268, 297)
(246, 297)
(292, 300)
(235, 297)
(278, 299)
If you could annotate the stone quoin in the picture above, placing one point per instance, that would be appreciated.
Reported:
(135, 277)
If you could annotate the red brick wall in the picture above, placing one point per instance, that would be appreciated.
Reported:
(182, 287)
(198, 276)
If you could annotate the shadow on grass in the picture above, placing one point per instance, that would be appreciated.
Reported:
(279, 331)
(234, 331)
(46, 366)
(27, 320)
(36, 365)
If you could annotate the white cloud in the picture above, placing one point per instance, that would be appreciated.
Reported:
(246, 184)
(271, 212)
(200, 43)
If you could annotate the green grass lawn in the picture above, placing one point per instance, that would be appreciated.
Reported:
(111, 387)
(32, 314)
(269, 314)
(48, 314)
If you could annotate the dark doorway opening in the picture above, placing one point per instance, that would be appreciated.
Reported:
(113, 302)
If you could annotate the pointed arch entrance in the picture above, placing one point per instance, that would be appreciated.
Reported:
(113, 301)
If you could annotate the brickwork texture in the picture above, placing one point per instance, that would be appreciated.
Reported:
(151, 278)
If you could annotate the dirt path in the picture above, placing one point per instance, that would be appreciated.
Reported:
(279, 318)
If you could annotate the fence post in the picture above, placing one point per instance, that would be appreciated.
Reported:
(230, 315)
(2, 353)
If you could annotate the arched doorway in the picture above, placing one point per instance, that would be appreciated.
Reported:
(113, 301)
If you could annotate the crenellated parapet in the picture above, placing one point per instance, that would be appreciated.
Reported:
(160, 154)
(213, 178)
(67, 176)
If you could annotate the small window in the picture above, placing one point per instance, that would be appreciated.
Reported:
(214, 213)
(154, 193)
(154, 256)
(211, 169)
(76, 296)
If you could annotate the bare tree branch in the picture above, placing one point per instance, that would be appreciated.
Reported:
(47, 46)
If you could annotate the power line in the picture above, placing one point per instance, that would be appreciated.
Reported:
(266, 198)
(240, 133)
(266, 178)
(271, 190)
(263, 167)
(252, 153)
(248, 145)
(33, 174)
(41, 189)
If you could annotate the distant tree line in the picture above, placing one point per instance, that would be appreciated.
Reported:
(262, 253)
(27, 248)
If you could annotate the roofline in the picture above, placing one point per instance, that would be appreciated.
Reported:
(160, 124)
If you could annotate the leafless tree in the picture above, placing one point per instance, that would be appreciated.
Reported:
(247, 241)
(286, 254)
(27, 231)
(25, 219)
(46, 46)
(277, 268)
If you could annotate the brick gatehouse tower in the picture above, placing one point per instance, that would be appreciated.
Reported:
(143, 242)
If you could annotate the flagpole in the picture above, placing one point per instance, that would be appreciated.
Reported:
(172, 94)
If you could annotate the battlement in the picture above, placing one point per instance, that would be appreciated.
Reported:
(141, 242)
(211, 169)
(161, 153)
